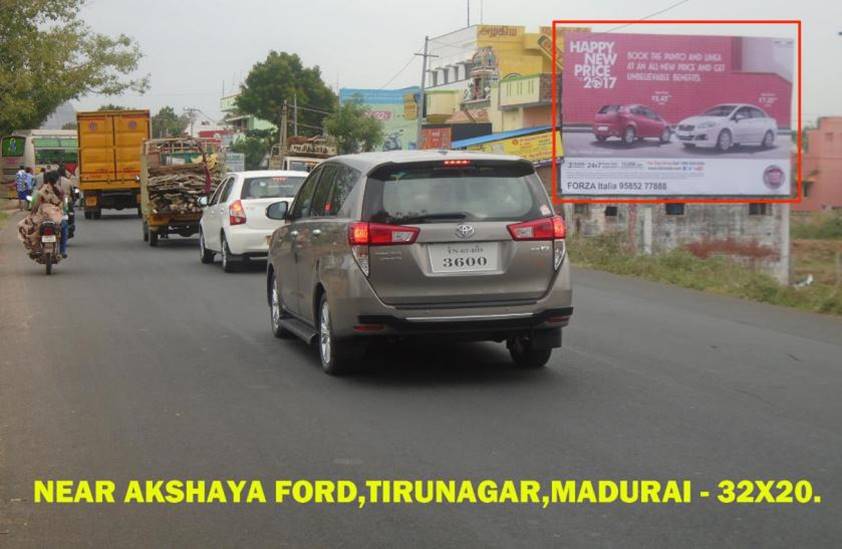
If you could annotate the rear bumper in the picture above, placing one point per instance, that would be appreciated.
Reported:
(606, 130)
(111, 198)
(248, 242)
(488, 323)
(358, 311)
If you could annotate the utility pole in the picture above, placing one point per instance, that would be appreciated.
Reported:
(295, 114)
(284, 123)
(422, 100)
(469, 13)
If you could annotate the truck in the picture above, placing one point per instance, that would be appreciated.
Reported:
(176, 177)
(109, 158)
(301, 154)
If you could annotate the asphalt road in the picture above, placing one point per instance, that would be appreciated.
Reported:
(140, 363)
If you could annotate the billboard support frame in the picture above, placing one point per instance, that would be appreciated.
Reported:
(554, 170)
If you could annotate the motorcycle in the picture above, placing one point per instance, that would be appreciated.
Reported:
(50, 235)
(71, 218)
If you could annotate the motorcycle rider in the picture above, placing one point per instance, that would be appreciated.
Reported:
(51, 193)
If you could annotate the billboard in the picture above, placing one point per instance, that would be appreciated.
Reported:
(396, 109)
(657, 115)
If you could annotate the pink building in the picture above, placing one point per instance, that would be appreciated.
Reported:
(823, 166)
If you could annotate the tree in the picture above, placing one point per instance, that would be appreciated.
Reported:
(169, 124)
(71, 126)
(255, 145)
(282, 76)
(354, 128)
(112, 107)
(50, 56)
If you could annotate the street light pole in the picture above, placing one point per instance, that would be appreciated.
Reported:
(422, 98)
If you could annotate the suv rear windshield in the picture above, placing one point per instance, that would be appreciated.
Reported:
(279, 186)
(425, 193)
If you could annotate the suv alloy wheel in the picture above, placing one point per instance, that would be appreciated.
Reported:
(338, 357)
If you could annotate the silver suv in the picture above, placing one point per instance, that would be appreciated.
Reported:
(437, 243)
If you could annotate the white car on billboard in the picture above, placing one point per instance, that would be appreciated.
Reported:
(727, 125)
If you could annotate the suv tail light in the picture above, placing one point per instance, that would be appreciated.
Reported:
(361, 235)
(236, 213)
(379, 234)
(546, 228)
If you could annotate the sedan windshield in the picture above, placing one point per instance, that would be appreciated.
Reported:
(279, 186)
(720, 110)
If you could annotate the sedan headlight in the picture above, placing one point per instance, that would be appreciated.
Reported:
(704, 125)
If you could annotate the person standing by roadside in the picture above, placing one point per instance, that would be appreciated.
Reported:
(30, 182)
(21, 186)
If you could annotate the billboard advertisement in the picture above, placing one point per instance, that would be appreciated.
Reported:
(676, 115)
(396, 109)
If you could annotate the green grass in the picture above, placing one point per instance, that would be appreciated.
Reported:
(716, 274)
(818, 226)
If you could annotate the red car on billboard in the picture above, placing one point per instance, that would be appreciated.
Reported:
(630, 123)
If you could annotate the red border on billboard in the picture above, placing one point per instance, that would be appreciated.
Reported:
(689, 200)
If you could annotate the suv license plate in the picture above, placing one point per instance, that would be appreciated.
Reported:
(457, 257)
(49, 238)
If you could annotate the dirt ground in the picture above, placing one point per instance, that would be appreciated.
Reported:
(816, 257)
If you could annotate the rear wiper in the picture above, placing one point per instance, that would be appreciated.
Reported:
(456, 216)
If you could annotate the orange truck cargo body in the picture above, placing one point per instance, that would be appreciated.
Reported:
(109, 158)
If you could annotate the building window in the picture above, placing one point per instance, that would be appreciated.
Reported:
(581, 209)
(828, 137)
(674, 208)
(610, 211)
(759, 208)
(808, 188)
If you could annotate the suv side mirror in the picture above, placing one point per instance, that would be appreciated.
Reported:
(277, 211)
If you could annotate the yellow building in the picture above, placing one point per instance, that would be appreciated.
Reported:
(500, 68)
(501, 74)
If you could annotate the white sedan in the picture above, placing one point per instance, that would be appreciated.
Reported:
(724, 126)
(236, 221)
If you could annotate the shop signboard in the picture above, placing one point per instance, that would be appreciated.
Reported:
(537, 147)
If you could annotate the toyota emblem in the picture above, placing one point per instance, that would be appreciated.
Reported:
(464, 231)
